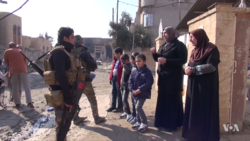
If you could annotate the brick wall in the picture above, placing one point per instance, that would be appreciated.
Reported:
(148, 54)
(219, 25)
(214, 24)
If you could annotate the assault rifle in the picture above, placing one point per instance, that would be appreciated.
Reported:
(67, 116)
(39, 58)
(34, 65)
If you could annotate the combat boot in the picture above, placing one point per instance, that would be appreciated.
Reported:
(99, 119)
(79, 120)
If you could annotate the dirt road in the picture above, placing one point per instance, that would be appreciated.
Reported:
(38, 124)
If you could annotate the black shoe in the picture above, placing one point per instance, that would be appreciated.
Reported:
(117, 110)
(18, 106)
(110, 109)
(30, 105)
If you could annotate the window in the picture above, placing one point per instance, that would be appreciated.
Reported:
(14, 33)
(43, 49)
(148, 20)
(19, 35)
(47, 49)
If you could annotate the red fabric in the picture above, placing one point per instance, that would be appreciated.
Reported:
(16, 62)
(119, 71)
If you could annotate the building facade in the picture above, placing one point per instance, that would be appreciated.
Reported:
(171, 12)
(11, 31)
(99, 47)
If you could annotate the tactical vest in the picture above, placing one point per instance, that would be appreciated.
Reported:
(49, 74)
(84, 68)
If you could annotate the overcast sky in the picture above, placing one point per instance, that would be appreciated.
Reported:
(89, 18)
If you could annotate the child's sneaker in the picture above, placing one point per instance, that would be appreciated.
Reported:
(143, 128)
(133, 120)
(129, 117)
(136, 126)
(123, 116)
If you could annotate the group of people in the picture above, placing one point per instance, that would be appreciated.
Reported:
(130, 74)
(200, 117)
(17, 74)
(134, 77)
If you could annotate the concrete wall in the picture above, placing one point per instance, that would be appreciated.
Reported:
(6, 28)
(41, 44)
(220, 26)
(26, 41)
(148, 54)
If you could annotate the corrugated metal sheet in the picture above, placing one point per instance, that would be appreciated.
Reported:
(202, 6)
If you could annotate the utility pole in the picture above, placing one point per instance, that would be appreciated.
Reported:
(112, 14)
(133, 45)
(179, 10)
(116, 22)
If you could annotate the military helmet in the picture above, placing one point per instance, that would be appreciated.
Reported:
(78, 38)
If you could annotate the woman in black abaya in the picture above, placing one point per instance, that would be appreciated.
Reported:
(171, 56)
(201, 118)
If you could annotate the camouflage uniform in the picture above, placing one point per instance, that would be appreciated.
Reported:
(88, 90)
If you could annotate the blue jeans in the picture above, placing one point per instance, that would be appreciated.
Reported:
(133, 105)
(116, 93)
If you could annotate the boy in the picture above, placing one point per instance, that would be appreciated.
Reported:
(132, 119)
(140, 84)
(124, 85)
(115, 80)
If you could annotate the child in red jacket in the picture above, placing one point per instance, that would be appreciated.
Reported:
(115, 80)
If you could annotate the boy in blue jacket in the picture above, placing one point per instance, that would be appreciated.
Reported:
(140, 84)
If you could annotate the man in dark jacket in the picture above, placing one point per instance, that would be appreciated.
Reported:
(60, 63)
(90, 65)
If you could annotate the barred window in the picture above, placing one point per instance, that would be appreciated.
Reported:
(148, 20)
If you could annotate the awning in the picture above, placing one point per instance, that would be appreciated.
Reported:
(200, 7)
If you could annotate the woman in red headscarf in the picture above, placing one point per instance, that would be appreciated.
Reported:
(201, 118)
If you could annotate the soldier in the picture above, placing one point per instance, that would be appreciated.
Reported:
(89, 65)
(60, 63)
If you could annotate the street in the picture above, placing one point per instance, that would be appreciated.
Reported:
(38, 124)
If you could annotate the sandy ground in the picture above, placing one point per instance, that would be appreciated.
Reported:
(38, 124)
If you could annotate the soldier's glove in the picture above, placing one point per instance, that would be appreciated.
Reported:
(110, 82)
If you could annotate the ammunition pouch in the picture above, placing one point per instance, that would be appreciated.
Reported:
(50, 77)
(54, 98)
(81, 75)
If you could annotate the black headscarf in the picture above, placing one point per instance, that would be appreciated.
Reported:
(172, 33)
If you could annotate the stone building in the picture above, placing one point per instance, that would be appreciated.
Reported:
(11, 31)
(150, 12)
(99, 47)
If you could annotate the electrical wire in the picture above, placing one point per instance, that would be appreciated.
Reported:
(14, 11)
(172, 4)
(128, 4)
